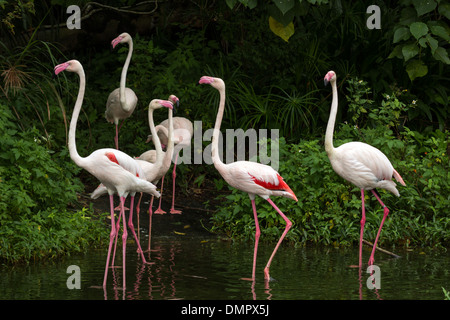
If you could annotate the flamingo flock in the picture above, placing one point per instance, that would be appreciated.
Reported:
(120, 174)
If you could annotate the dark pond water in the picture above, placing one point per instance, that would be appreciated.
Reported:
(205, 268)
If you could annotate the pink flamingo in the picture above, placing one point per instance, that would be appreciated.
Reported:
(117, 171)
(251, 177)
(361, 164)
(152, 155)
(151, 169)
(122, 101)
(183, 131)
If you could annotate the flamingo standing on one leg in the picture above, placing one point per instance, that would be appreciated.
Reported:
(183, 131)
(118, 172)
(361, 164)
(251, 177)
(122, 101)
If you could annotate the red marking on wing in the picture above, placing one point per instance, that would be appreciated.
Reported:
(112, 157)
(282, 186)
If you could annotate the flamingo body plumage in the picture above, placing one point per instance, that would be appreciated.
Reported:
(361, 164)
(251, 177)
(121, 101)
(117, 171)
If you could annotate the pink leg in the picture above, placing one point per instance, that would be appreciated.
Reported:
(255, 251)
(159, 210)
(150, 212)
(385, 214)
(363, 222)
(112, 235)
(116, 138)
(117, 235)
(288, 226)
(124, 241)
(138, 211)
(131, 226)
(174, 175)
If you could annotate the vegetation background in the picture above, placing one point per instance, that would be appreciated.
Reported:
(393, 87)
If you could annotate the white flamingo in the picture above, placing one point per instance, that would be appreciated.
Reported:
(251, 177)
(122, 101)
(183, 131)
(154, 169)
(118, 172)
(361, 164)
(160, 160)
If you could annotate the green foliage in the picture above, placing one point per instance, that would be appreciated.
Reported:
(422, 36)
(36, 186)
(446, 294)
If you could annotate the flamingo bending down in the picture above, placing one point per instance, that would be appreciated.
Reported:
(122, 101)
(361, 164)
(183, 131)
(251, 177)
(118, 172)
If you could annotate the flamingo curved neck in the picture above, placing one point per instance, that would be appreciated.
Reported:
(123, 78)
(170, 144)
(73, 122)
(215, 140)
(155, 137)
(329, 148)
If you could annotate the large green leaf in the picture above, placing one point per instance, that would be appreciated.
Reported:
(442, 55)
(432, 42)
(284, 5)
(231, 3)
(416, 69)
(284, 32)
(440, 32)
(444, 9)
(409, 51)
(418, 29)
(424, 6)
(400, 34)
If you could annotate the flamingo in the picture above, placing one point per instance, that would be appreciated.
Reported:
(183, 131)
(121, 101)
(117, 171)
(361, 164)
(151, 169)
(251, 177)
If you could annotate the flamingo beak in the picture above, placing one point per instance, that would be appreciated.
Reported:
(166, 104)
(206, 80)
(176, 107)
(115, 42)
(61, 67)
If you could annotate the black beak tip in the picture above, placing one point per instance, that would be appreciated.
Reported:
(325, 82)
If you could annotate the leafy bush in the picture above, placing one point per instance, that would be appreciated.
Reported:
(36, 187)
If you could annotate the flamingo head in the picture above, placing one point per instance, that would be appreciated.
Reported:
(329, 77)
(175, 101)
(122, 38)
(71, 65)
(157, 103)
(214, 82)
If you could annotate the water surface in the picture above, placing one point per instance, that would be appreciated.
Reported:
(208, 268)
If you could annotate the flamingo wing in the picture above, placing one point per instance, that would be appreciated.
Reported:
(365, 166)
(126, 162)
(257, 178)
